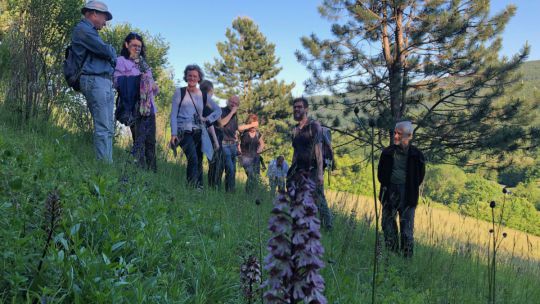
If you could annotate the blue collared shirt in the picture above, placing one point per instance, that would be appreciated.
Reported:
(101, 57)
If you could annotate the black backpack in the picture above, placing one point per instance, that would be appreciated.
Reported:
(73, 71)
(327, 150)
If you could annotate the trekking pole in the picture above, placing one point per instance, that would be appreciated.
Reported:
(375, 258)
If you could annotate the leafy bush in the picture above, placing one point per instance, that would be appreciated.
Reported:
(444, 183)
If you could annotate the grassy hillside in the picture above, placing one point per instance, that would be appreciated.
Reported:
(127, 236)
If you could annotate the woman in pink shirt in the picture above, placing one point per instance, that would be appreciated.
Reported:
(132, 73)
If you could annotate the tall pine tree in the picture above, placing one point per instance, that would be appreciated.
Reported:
(434, 62)
(248, 67)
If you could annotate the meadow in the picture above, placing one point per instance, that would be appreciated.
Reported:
(129, 236)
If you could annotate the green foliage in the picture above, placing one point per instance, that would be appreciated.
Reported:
(131, 236)
(444, 183)
(436, 63)
(36, 35)
(248, 67)
(470, 194)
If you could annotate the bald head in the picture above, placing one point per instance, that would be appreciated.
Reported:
(233, 101)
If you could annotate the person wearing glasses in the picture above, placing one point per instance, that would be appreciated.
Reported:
(136, 88)
(97, 60)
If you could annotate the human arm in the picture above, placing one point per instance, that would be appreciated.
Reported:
(238, 143)
(422, 170)
(260, 147)
(215, 141)
(89, 38)
(119, 70)
(216, 111)
(174, 113)
(227, 118)
(242, 128)
(380, 169)
(319, 157)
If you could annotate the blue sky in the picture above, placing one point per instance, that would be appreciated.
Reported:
(194, 27)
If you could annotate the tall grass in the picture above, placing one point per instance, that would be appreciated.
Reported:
(130, 236)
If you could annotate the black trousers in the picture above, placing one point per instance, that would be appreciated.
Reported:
(144, 141)
(392, 205)
(192, 146)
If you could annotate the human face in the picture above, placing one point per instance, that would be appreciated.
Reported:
(233, 102)
(192, 78)
(299, 111)
(134, 47)
(401, 138)
(98, 19)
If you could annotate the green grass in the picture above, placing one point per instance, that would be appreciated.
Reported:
(129, 236)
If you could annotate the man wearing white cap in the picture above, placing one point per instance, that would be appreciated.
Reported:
(97, 60)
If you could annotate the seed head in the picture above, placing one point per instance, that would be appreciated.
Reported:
(505, 234)
(505, 190)
(356, 110)
(492, 204)
(257, 202)
(490, 230)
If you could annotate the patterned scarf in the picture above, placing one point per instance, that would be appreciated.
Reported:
(146, 89)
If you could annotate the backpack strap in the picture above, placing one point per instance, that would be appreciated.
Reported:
(183, 91)
(182, 95)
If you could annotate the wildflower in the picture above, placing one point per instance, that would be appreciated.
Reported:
(295, 250)
(250, 277)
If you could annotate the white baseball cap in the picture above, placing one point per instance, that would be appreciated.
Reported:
(99, 6)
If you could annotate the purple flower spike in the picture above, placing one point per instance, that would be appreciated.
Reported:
(295, 250)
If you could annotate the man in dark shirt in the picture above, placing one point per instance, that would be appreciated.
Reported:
(229, 130)
(97, 60)
(308, 156)
(401, 171)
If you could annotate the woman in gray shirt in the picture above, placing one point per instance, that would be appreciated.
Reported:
(187, 121)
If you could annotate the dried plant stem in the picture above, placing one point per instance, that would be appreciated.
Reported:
(375, 253)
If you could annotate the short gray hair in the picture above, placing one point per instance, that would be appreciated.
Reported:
(194, 67)
(405, 126)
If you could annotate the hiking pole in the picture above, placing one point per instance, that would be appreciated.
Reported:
(375, 259)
